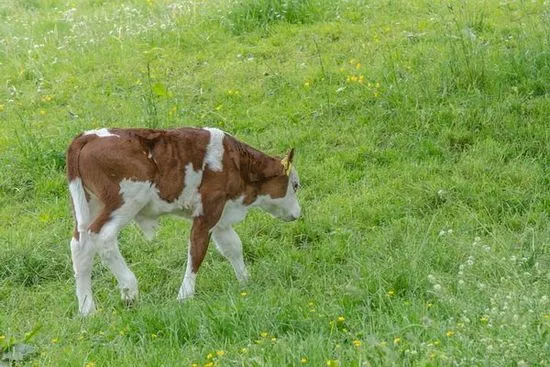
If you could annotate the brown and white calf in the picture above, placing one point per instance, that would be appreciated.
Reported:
(205, 175)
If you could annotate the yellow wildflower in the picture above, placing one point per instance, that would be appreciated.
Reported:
(303, 360)
(357, 343)
(450, 333)
(264, 334)
(90, 364)
(209, 356)
(244, 294)
(55, 340)
(341, 319)
(209, 364)
(396, 340)
(333, 363)
(391, 293)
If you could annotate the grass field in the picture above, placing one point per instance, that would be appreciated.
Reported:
(422, 136)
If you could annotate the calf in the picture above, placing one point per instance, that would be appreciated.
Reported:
(205, 175)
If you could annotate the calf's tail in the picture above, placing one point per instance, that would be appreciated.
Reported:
(76, 187)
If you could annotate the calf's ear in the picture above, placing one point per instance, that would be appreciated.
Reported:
(287, 161)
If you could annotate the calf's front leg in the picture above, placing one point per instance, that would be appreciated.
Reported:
(195, 255)
(198, 244)
(230, 246)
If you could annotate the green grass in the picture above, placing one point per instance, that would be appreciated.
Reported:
(422, 137)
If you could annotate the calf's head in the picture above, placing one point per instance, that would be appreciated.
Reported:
(278, 193)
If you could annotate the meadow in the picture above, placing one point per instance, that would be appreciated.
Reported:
(422, 136)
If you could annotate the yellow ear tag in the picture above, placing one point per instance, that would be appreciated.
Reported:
(287, 165)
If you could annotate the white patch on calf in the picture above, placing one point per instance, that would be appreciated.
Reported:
(146, 197)
(102, 133)
(234, 211)
(214, 150)
(287, 207)
(190, 196)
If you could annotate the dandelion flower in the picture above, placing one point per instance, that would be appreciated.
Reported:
(264, 334)
(303, 360)
(391, 293)
(357, 343)
(396, 340)
(209, 356)
(341, 319)
(450, 333)
(244, 294)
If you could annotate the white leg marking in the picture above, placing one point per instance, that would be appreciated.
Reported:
(229, 245)
(82, 253)
(214, 150)
(187, 289)
(81, 210)
(102, 133)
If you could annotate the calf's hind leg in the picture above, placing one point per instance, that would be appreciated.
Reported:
(105, 232)
(82, 254)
